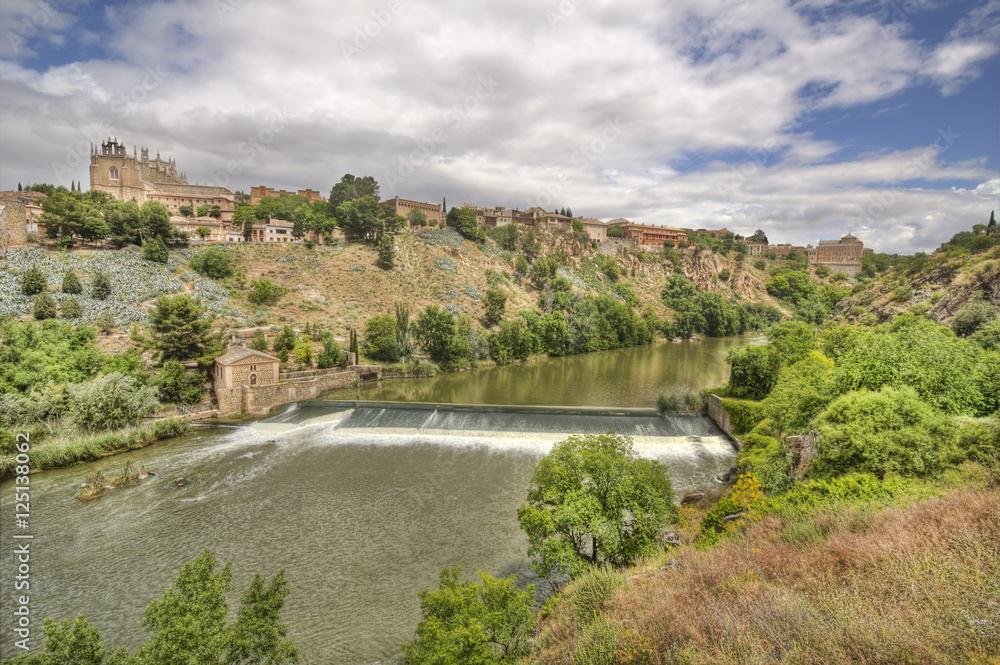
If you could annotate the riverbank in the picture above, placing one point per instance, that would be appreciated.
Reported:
(54, 454)
(911, 578)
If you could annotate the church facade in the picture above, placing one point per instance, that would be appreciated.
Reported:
(138, 178)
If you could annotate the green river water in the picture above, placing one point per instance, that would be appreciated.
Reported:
(361, 507)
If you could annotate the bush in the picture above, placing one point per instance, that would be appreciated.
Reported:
(154, 250)
(610, 269)
(214, 263)
(823, 271)
(743, 416)
(972, 317)
(513, 341)
(71, 284)
(100, 286)
(753, 371)
(380, 338)
(669, 403)
(69, 308)
(760, 264)
(495, 302)
(110, 402)
(44, 306)
(979, 440)
(768, 460)
(259, 342)
(265, 292)
(802, 391)
(105, 323)
(33, 281)
(890, 431)
(724, 275)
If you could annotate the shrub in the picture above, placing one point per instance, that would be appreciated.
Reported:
(768, 460)
(44, 306)
(100, 286)
(988, 336)
(69, 308)
(110, 402)
(33, 281)
(753, 371)
(760, 264)
(154, 250)
(610, 269)
(265, 292)
(669, 403)
(724, 275)
(972, 317)
(743, 416)
(839, 277)
(823, 271)
(495, 302)
(979, 440)
(380, 338)
(259, 341)
(214, 263)
(105, 323)
(890, 431)
(71, 283)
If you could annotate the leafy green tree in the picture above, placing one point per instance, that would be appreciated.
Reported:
(176, 386)
(214, 262)
(154, 250)
(417, 218)
(44, 306)
(792, 339)
(803, 390)
(71, 283)
(593, 500)
(259, 341)
(154, 221)
(823, 270)
(203, 232)
(265, 292)
(792, 286)
(365, 219)
(464, 221)
(973, 316)
(724, 275)
(380, 338)
(180, 329)
(125, 222)
(110, 402)
(495, 302)
(186, 210)
(988, 336)
(386, 248)
(69, 308)
(351, 188)
(94, 228)
(473, 623)
(285, 340)
(331, 355)
(530, 245)
(436, 332)
(507, 236)
(753, 371)
(215, 211)
(520, 267)
(513, 341)
(542, 271)
(63, 214)
(244, 217)
(302, 352)
(33, 281)
(188, 622)
(616, 232)
(889, 431)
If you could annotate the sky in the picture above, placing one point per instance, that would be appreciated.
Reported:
(808, 119)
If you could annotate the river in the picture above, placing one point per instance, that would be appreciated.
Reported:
(362, 508)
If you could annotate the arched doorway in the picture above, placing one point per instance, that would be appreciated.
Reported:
(253, 379)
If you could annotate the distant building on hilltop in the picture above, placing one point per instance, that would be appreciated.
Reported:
(138, 178)
(648, 234)
(260, 192)
(402, 207)
(846, 250)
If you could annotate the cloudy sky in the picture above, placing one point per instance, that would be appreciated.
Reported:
(807, 118)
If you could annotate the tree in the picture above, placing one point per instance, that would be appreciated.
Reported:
(154, 222)
(188, 621)
(354, 348)
(125, 222)
(753, 371)
(71, 283)
(44, 306)
(94, 228)
(495, 302)
(215, 211)
(331, 355)
(530, 245)
(63, 214)
(214, 262)
(154, 250)
(365, 219)
(593, 500)
(69, 308)
(610, 269)
(33, 281)
(203, 232)
(265, 292)
(542, 270)
(180, 328)
(100, 286)
(386, 248)
(105, 323)
(464, 221)
(285, 341)
(758, 238)
(802, 390)
(404, 340)
(616, 232)
(350, 188)
(477, 623)
(417, 217)
(889, 431)
(380, 338)
(244, 218)
(186, 210)
(513, 341)
(991, 228)
(435, 331)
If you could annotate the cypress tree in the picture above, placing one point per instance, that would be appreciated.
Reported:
(386, 250)
(19, 187)
(100, 286)
(44, 306)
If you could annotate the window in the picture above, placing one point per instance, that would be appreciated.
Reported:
(114, 173)
(253, 379)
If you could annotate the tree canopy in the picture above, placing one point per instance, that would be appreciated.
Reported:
(593, 500)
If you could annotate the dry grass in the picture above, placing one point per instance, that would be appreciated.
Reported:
(915, 584)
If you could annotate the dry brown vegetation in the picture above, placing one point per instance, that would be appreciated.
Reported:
(913, 584)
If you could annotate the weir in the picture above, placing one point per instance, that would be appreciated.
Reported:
(492, 421)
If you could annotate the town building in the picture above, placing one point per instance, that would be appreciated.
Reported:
(261, 192)
(846, 250)
(545, 219)
(595, 228)
(13, 226)
(648, 234)
(138, 178)
(32, 202)
(190, 225)
(402, 207)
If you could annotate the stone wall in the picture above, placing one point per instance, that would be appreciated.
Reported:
(258, 400)
(13, 225)
(851, 269)
(718, 413)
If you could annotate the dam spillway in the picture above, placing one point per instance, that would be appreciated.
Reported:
(491, 421)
